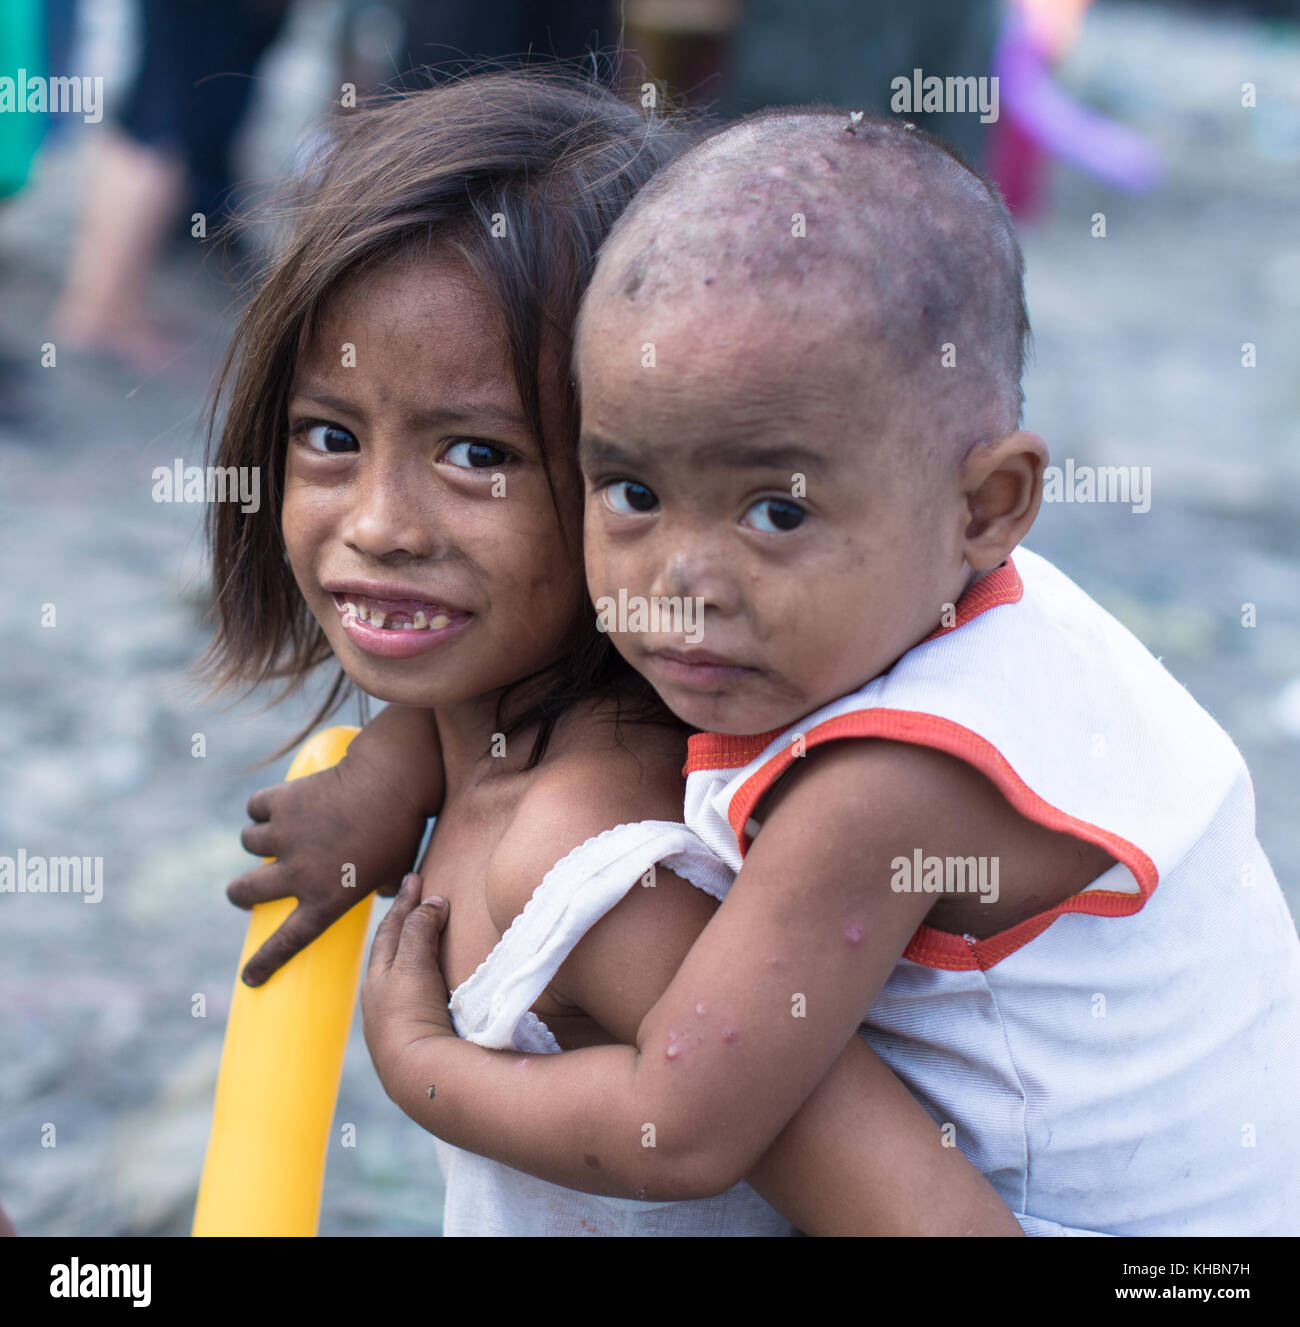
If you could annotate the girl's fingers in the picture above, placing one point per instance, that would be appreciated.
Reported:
(259, 804)
(260, 886)
(294, 934)
(384, 948)
(258, 839)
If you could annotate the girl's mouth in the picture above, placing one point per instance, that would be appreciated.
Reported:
(396, 628)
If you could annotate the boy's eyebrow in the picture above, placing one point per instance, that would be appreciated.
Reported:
(755, 456)
(594, 449)
(458, 414)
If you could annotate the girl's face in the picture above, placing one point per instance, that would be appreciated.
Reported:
(417, 517)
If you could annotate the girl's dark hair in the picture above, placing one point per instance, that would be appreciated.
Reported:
(555, 154)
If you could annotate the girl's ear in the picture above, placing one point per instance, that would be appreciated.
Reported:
(1003, 485)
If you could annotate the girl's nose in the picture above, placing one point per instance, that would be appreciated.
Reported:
(388, 514)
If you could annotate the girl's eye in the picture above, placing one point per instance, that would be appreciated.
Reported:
(629, 498)
(476, 455)
(326, 438)
(775, 516)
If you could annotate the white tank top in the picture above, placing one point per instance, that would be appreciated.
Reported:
(1128, 1062)
(492, 1007)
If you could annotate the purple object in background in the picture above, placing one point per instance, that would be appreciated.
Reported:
(1060, 125)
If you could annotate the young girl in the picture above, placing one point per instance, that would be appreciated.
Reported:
(400, 379)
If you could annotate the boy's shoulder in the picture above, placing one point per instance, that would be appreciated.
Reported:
(875, 803)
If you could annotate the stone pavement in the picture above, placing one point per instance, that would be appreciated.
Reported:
(1138, 363)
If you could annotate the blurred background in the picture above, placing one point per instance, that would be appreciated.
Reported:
(1151, 153)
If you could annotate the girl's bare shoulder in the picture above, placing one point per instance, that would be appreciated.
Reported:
(596, 774)
(599, 749)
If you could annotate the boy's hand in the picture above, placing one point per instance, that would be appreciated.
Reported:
(404, 996)
(336, 837)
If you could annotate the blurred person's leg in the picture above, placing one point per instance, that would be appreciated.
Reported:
(132, 196)
(60, 42)
(192, 89)
(196, 85)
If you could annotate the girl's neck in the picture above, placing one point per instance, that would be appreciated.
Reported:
(473, 746)
(465, 733)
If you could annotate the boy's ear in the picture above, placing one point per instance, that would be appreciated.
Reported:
(1003, 485)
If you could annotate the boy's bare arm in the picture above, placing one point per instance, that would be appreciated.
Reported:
(861, 1156)
(762, 1006)
(366, 813)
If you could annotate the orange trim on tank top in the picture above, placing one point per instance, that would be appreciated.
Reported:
(727, 751)
(928, 946)
(942, 949)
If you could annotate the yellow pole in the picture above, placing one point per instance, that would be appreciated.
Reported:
(281, 1064)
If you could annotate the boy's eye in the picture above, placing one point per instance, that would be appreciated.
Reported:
(326, 438)
(775, 516)
(476, 455)
(629, 498)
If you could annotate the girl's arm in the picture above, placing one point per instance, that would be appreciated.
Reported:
(339, 835)
(860, 1157)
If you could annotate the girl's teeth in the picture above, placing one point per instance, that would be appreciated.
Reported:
(377, 618)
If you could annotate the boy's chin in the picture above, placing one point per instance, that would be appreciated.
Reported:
(727, 716)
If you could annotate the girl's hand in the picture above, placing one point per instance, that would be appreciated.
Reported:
(404, 997)
(336, 836)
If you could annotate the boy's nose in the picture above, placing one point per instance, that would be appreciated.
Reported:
(695, 572)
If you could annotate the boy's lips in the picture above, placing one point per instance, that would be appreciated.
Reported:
(698, 669)
(394, 621)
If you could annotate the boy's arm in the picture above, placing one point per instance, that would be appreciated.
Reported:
(762, 1006)
(861, 1156)
(368, 811)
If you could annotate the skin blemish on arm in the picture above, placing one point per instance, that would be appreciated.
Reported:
(699, 1009)
(730, 1035)
(674, 1047)
(854, 932)
(592, 1162)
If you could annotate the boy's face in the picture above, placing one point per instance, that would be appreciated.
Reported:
(763, 468)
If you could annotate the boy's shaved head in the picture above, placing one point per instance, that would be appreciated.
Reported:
(881, 238)
(795, 342)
